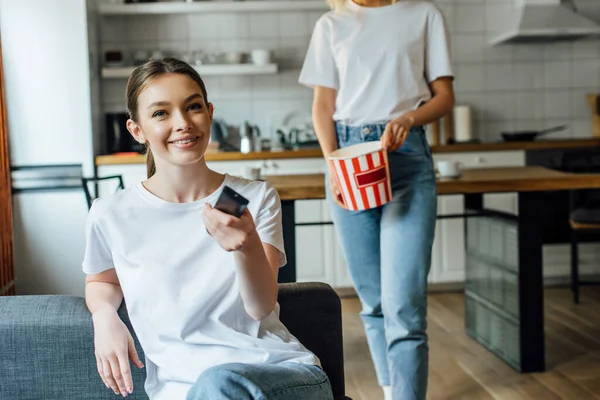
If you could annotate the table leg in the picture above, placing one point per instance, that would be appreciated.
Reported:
(531, 283)
(504, 285)
(288, 272)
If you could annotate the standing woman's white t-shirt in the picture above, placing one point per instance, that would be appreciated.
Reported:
(379, 59)
(181, 288)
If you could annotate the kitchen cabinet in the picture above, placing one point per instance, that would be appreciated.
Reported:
(319, 256)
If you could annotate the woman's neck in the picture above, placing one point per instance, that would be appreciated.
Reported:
(373, 3)
(184, 184)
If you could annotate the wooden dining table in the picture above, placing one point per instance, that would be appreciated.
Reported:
(504, 293)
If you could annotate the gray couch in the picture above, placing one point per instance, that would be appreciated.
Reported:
(47, 345)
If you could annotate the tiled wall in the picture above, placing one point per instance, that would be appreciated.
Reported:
(520, 86)
(509, 87)
(259, 99)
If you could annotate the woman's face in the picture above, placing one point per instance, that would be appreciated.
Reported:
(173, 119)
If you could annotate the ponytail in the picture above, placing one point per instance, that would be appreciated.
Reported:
(150, 167)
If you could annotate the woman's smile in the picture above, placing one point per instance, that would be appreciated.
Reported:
(186, 142)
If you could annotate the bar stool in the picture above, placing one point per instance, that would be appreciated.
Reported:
(584, 209)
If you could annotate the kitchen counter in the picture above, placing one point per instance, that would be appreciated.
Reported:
(482, 180)
(312, 153)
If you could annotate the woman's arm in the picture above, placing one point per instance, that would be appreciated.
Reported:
(103, 292)
(322, 110)
(440, 104)
(112, 341)
(257, 262)
(258, 265)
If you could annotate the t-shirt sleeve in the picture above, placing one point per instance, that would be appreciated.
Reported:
(269, 222)
(319, 68)
(437, 48)
(97, 257)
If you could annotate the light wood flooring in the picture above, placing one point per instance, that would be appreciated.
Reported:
(462, 369)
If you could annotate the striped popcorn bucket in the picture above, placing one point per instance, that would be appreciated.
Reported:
(363, 175)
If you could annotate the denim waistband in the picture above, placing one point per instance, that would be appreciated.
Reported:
(366, 131)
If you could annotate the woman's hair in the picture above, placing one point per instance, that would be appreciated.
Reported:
(339, 5)
(143, 76)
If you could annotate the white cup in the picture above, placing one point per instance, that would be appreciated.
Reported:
(448, 169)
(260, 56)
(252, 173)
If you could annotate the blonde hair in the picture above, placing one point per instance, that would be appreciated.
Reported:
(340, 5)
(142, 76)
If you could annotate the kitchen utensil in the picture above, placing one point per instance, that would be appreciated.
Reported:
(233, 57)
(219, 132)
(448, 169)
(260, 56)
(249, 138)
(526, 136)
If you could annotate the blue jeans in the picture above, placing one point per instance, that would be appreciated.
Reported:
(388, 252)
(237, 381)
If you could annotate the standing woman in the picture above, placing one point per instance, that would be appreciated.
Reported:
(381, 70)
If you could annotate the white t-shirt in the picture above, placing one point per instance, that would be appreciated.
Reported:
(379, 59)
(181, 287)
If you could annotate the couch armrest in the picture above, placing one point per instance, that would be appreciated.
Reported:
(47, 350)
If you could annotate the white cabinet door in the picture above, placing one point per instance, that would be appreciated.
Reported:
(314, 261)
(451, 237)
(311, 262)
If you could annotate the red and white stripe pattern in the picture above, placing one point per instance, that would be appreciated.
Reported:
(364, 180)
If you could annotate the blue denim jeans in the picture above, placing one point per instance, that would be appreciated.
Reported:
(285, 381)
(388, 252)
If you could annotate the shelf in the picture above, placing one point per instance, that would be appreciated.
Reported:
(204, 70)
(212, 6)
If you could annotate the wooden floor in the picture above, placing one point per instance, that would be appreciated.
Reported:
(462, 369)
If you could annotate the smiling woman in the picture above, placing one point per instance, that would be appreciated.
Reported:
(7, 277)
(140, 80)
(200, 284)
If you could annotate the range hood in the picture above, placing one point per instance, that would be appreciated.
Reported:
(535, 21)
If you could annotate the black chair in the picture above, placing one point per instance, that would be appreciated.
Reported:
(95, 180)
(313, 314)
(584, 209)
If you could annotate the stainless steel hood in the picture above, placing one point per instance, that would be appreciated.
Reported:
(534, 21)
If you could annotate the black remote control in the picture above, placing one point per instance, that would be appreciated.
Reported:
(231, 202)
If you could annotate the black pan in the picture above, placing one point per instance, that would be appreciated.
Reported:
(527, 136)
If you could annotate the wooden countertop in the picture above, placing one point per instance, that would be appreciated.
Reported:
(311, 153)
(480, 180)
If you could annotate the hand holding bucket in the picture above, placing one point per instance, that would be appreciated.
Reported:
(362, 174)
